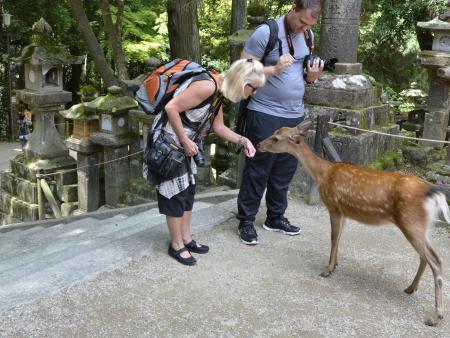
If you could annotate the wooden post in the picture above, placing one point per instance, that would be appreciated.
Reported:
(41, 205)
(50, 198)
(321, 133)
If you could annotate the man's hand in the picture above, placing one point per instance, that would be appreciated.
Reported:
(313, 71)
(285, 61)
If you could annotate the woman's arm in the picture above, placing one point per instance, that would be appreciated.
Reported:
(194, 95)
(227, 134)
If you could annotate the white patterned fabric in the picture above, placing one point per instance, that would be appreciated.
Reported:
(176, 185)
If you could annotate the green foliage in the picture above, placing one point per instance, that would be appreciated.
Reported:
(145, 33)
(391, 160)
(388, 42)
(256, 9)
(214, 20)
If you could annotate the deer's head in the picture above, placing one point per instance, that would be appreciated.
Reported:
(284, 139)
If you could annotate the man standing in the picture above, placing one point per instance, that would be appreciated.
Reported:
(278, 104)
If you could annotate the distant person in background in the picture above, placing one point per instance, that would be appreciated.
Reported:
(25, 124)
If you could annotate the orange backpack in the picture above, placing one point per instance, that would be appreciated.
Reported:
(159, 86)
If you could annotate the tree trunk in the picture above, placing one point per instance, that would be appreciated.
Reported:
(238, 15)
(75, 81)
(112, 34)
(119, 19)
(95, 50)
(182, 24)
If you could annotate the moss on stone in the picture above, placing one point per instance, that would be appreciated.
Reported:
(391, 160)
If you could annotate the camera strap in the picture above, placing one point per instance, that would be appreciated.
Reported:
(212, 113)
(307, 34)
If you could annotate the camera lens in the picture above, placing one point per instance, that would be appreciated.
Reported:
(199, 158)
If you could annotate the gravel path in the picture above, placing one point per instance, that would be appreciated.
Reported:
(270, 290)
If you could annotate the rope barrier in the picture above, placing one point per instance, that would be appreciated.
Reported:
(87, 166)
(391, 135)
(331, 123)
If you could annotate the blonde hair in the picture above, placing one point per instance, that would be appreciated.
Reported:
(241, 73)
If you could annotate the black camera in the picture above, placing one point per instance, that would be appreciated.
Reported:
(329, 64)
(199, 158)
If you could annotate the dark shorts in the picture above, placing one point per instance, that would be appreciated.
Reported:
(178, 204)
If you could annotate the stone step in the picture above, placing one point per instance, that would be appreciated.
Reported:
(76, 254)
(55, 239)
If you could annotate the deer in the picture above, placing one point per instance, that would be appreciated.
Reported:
(372, 197)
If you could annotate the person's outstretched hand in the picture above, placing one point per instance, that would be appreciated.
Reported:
(249, 149)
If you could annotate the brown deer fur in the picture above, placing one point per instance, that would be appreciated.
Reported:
(372, 197)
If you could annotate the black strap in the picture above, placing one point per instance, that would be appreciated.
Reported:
(307, 35)
(273, 39)
(212, 113)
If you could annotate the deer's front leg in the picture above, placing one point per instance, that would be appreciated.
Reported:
(337, 221)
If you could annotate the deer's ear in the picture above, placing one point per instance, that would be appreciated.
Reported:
(304, 126)
(296, 138)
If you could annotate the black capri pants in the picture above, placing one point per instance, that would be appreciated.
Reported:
(178, 204)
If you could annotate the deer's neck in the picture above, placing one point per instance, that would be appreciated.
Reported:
(316, 166)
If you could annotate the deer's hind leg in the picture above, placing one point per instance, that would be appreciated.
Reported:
(416, 235)
(337, 221)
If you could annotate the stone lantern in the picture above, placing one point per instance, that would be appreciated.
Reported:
(43, 92)
(437, 62)
(45, 152)
(88, 154)
(116, 138)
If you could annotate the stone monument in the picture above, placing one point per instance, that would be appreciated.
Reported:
(346, 95)
(116, 137)
(45, 152)
(88, 154)
(437, 63)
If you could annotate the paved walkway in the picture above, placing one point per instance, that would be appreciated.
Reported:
(270, 290)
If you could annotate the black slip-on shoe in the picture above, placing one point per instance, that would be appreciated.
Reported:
(177, 255)
(192, 246)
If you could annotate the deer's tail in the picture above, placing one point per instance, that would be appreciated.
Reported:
(439, 202)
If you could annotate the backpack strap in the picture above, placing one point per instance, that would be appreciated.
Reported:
(273, 39)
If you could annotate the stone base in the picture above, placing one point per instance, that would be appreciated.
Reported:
(364, 117)
(228, 178)
(345, 91)
(19, 188)
(27, 170)
(68, 208)
(348, 68)
(14, 208)
(16, 186)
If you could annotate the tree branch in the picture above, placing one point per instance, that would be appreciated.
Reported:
(95, 50)
(112, 34)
